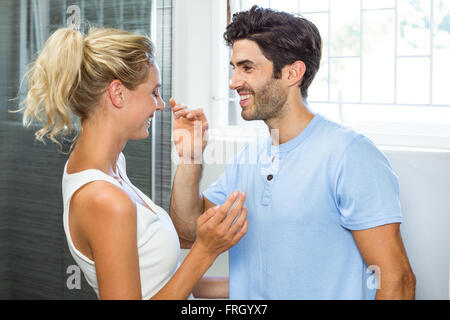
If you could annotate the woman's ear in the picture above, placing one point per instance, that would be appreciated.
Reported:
(295, 73)
(116, 93)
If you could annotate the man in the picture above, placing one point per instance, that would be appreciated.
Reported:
(322, 200)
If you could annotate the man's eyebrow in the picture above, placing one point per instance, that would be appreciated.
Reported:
(240, 63)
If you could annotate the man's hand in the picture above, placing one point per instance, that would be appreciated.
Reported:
(189, 132)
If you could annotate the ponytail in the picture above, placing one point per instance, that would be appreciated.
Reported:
(72, 72)
(52, 78)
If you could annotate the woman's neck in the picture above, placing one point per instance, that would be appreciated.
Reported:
(99, 146)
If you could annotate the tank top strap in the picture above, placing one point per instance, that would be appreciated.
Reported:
(72, 182)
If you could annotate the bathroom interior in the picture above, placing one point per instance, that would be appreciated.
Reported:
(384, 72)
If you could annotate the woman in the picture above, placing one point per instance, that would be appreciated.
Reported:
(126, 246)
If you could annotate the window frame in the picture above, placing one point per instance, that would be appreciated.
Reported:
(198, 67)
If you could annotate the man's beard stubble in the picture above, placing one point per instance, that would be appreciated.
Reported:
(267, 103)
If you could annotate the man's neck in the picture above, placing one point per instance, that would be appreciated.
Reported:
(290, 123)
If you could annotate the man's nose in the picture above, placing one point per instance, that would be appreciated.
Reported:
(236, 81)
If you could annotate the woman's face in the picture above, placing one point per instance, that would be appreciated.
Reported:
(142, 103)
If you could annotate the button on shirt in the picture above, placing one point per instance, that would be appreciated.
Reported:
(303, 198)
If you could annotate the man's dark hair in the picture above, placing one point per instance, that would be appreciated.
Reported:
(282, 37)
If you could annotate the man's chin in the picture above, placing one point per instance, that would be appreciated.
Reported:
(247, 118)
(248, 115)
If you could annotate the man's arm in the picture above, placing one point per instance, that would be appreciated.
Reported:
(187, 203)
(212, 288)
(383, 247)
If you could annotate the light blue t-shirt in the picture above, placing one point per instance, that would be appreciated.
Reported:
(303, 198)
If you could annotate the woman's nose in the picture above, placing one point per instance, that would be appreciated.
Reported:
(161, 104)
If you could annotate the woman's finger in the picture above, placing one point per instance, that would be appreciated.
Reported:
(239, 221)
(235, 211)
(208, 214)
(238, 236)
(222, 211)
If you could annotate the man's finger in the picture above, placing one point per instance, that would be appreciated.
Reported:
(197, 113)
(172, 103)
(181, 113)
(176, 106)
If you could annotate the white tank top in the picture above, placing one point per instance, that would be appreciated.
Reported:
(157, 240)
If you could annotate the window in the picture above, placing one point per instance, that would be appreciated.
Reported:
(384, 67)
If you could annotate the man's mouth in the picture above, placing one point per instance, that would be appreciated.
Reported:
(245, 99)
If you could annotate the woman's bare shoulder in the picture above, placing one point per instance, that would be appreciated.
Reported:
(99, 203)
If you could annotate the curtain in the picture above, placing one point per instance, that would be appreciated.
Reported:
(35, 262)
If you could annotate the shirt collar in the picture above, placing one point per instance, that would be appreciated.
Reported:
(295, 142)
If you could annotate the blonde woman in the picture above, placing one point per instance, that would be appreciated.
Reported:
(126, 246)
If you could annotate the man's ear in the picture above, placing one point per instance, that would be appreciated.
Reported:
(295, 72)
(116, 93)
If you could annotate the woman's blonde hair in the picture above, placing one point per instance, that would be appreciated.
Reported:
(73, 71)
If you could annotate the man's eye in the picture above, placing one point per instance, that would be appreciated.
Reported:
(246, 68)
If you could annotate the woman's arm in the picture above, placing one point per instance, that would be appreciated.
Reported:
(216, 233)
(107, 221)
(109, 225)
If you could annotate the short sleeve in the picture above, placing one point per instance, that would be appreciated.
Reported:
(367, 190)
(219, 191)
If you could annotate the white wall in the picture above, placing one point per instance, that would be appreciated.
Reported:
(424, 179)
(424, 175)
(198, 27)
(191, 54)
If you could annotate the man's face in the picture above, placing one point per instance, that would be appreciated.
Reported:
(262, 96)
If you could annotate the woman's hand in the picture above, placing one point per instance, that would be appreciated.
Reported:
(222, 227)
(218, 229)
(189, 132)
